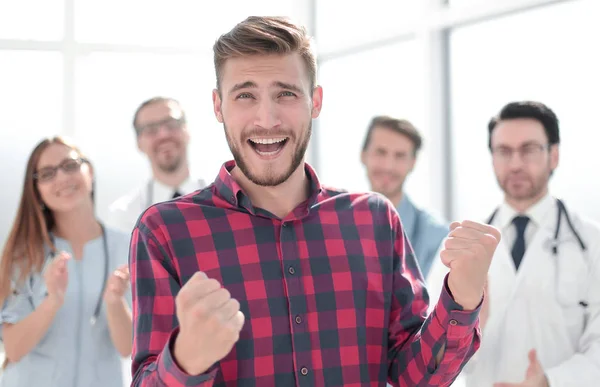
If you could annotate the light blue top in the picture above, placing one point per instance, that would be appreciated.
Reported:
(73, 353)
(424, 232)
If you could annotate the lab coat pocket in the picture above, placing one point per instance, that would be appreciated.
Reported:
(569, 294)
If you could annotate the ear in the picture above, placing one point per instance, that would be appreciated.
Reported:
(554, 156)
(216, 97)
(317, 101)
(139, 143)
(186, 134)
(363, 157)
(412, 163)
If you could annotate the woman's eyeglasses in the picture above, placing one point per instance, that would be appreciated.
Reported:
(69, 166)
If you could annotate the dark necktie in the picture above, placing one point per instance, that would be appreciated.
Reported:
(518, 249)
(176, 195)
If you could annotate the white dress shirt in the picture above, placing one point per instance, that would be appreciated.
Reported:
(125, 211)
(536, 214)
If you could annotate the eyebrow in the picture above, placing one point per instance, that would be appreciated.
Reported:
(253, 85)
(60, 163)
(526, 143)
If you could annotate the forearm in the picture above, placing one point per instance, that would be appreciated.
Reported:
(436, 355)
(163, 369)
(119, 326)
(20, 338)
(441, 347)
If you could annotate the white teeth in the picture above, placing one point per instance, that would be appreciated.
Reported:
(267, 140)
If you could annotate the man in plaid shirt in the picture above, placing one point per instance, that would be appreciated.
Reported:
(269, 278)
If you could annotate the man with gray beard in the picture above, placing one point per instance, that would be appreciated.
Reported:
(162, 135)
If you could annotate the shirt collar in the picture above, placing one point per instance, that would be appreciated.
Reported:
(536, 213)
(162, 192)
(228, 189)
(408, 213)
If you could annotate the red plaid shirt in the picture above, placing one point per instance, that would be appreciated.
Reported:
(332, 293)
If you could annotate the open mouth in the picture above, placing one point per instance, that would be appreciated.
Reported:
(66, 191)
(268, 147)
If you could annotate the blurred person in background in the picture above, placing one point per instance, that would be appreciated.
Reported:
(162, 135)
(389, 155)
(541, 315)
(64, 280)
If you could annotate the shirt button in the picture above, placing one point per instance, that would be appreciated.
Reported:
(298, 319)
(291, 270)
(453, 322)
(304, 371)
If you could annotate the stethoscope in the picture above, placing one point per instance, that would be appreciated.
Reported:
(96, 314)
(554, 243)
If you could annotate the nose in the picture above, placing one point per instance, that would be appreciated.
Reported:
(163, 132)
(267, 114)
(61, 175)
(388, 163)
(516, 161)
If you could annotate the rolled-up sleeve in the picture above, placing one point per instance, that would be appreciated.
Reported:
(17, 305)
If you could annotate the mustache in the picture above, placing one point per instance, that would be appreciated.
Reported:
(384, 173)
(518, 175)
(163, 142)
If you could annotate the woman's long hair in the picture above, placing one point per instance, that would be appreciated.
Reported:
(24, 249)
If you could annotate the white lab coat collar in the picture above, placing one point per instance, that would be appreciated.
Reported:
(162, 192)
(536, 213)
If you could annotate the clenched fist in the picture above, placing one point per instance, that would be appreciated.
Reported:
(116, 285)
(468, 252)
(210, 322)
(56, 277)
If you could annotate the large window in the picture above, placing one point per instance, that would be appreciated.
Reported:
(174, 23)
(32, 19)
(94, 62)
(527, 56)
(110, 86)
(340, 26)
(31, 100)
(387, 81)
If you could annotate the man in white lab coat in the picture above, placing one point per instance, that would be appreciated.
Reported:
(162, 135)
(541, 320)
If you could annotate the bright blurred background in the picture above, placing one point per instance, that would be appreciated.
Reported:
(81, 67)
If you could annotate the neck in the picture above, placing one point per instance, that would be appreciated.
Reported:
(79, 225)
(279, 200)
(172, 179)
(396, 199)
(522, 205)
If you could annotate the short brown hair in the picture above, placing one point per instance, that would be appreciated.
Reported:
(264, 35)
(151, 101)
(399, 126)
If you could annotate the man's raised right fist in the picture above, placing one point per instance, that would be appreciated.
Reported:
(210, 322)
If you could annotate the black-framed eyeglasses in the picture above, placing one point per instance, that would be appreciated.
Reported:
(528, 153)
(69, 166)
(170, 123)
